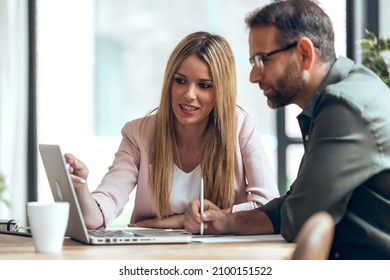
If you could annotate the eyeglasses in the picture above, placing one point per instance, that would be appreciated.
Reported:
(259, 59)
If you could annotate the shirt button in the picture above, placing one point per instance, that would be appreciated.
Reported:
(306, 137)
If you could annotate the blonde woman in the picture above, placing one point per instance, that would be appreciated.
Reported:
(197, 131)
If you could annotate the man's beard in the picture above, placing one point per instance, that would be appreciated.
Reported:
(286, 87)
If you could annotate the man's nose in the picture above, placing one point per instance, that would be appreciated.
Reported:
(256, 75)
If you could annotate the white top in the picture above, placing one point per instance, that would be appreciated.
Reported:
(185, 187)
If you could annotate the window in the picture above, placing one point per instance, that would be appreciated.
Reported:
(101, 63)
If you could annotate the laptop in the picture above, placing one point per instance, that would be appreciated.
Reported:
(62, 189)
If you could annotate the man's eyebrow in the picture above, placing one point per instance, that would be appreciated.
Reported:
(259, 53)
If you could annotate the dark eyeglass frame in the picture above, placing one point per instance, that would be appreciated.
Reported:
(259, 59)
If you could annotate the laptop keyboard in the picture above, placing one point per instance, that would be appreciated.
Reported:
(110, 233)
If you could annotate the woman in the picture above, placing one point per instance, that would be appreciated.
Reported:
(197, 131)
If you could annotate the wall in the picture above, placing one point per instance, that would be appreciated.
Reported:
(384, 25)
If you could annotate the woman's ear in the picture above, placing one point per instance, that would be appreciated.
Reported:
(307, 53)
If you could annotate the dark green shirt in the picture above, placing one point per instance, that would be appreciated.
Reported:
(345, 169)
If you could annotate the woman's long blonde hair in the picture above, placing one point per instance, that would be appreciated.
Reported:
(217, 154)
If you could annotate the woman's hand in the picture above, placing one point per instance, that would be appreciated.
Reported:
(79, 173)
(172, 222)
(215, 219)
(77, 169)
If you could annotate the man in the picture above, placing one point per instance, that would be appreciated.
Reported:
(345, 124)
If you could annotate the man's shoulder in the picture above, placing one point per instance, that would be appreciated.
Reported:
(359, 88)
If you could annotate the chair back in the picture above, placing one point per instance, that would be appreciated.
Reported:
(314, 240)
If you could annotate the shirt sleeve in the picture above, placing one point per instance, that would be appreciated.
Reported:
(340, 155)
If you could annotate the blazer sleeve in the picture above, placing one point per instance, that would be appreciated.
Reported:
(258, 179)
(120, 180)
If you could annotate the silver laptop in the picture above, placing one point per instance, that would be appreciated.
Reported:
(63, 190)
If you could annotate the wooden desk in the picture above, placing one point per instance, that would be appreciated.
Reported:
(13, 247)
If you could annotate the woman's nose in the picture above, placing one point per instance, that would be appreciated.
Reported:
(190, 93)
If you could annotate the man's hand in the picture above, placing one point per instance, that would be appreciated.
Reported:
(218, 221)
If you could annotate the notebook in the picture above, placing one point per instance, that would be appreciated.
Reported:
(63, 190)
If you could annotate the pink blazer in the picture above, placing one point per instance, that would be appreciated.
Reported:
(254, 184)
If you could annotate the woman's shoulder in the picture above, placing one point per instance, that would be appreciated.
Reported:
(141, 126)
(147, 121)
(243, 116)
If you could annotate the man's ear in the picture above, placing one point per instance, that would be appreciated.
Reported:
(307, 53)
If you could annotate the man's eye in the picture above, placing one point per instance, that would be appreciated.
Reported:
(205, 85)
(265, 60)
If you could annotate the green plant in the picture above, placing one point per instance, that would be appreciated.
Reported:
(372, 54)
(3, 189)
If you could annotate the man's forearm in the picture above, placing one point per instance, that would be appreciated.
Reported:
(250, 222)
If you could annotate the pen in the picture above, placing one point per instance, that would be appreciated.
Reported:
(201, 204)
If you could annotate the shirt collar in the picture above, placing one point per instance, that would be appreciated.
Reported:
(335, 74)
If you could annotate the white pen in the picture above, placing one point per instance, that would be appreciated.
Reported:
(201, 198)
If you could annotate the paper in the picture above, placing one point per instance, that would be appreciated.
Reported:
(237, 238)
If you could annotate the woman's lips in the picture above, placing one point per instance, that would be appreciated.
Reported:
(187, 108)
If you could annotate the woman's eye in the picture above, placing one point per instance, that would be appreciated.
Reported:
(180, 81)
(205, 85)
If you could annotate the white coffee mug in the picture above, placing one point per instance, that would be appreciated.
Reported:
(48, 222)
